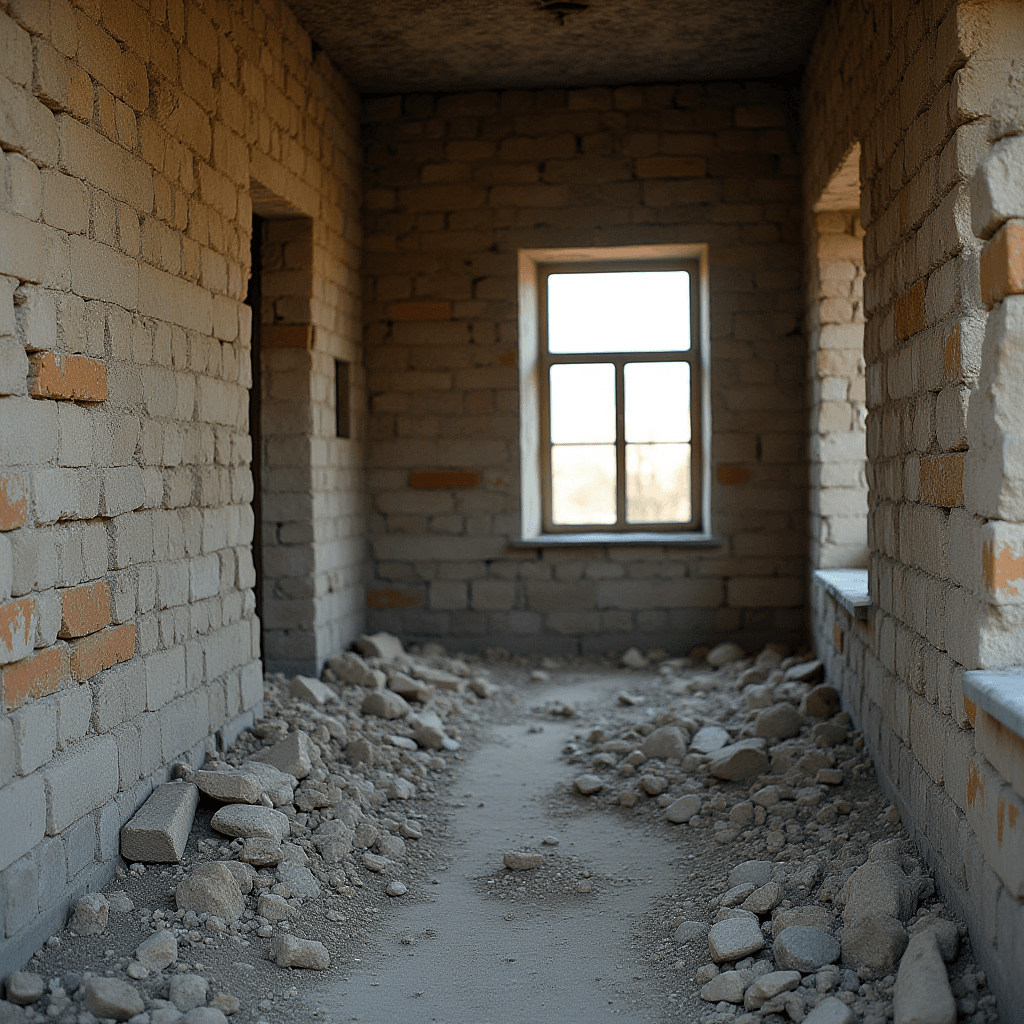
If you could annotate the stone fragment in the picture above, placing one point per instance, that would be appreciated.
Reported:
(334, 845)
(403, 742)
(385, 646)
(396, 888)
(805, 949)
(483, 687)
(289, 951)
(633, 658)
(879, 887)
(11, 1014)
(226, 1003)
(261, 852)
(25, 988)
(243, 874)
(276, 908)
(734, 939)
(439, 677)
(312, 691)
(245, 821)
(744, 759)
(764, 900)
(409, 688)
(709, 739)
(687, 931)
(230, 786)
(187, 991)
(211, 889)
(378, 865)
(665, 742)
(875, 942)
(523, 861)
(724, 654)
(120, 902)
(299, 879)
(91, 913)
(829, 734)
(830, 1011)
(361, 751)
(737, 894)
(294, 755)
(158, 832)
(946, 933)
(157, 952)
(588, 785)
(279, 786)
(779, 722)
(829, 777)
(112, 998)
(727, 987)
(922, 994)
(683, 809)
(757, 871)
(385, 704)
(757, 696)
(805, 672)
(350, 668)
(653, 785)
(809, 916)
(768, 986)
(204, 1015)
(428, 730)
(821, 702)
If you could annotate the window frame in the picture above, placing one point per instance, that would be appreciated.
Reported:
(535, 266)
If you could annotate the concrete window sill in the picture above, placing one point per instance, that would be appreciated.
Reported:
(573, 540)
(848, 586)
(999, 694)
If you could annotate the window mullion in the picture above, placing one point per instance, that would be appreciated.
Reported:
(620, 443)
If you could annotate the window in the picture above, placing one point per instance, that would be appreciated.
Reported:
(613, 427)
(342, 416)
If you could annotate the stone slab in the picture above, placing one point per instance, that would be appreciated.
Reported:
(158, 832)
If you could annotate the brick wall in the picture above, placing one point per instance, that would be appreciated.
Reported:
(128, 141)
(923, 89)
(455, 186)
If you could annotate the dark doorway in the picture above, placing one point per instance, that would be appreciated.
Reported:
(254, 301)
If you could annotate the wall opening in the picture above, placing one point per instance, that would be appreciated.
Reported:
(254, 301)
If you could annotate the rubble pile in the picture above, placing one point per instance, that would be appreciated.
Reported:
(305, 829)
(808, 902)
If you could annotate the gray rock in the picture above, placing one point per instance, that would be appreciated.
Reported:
(299, 879)
(757, 696)
(312, 691)
(385, 646)
(800, 948)
(765, 899)
(409, 688)
(922, 994)
(735, 939)
(230, 786)
(428, 730)
(633, 658)
(226, 1003)
(244, 874)
(159, 830)
(211, 889)
(157, 952)
(821, 702)
(830, 1011)
(683, 809)
(276, 908)
(120, 902)
(245, 821)
(289, 951)
(361, 751)
(277, 785)
(737, 894)
(523, 861)
(665, 742)
(261, 852)
(879, 887)
(588, 785)
(724, 654)
(204, 1015)
(25, 988)
(110, 997)
(378, 865)
(709, 739)
(688, 931)
(757, 871)
(727, 987)
(401, 789)
(396, 888)
(334, 845)
(187, 991)
(875, 942)
(779, 722)
(809, 916)
(438, 677)
(385, 704)
(768, 986)
(91, 914)
(483, 687)
(744, 759)
(350, 668)
(829, 734)
(294, 755)
(805, 672)
(946, 933)
(11, 1014)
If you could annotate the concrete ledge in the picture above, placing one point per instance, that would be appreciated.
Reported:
(848, 586)
(999, 694)
(569, 540)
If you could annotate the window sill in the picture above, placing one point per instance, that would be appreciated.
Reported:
(575, 540)
(999, 694)
(849, 587)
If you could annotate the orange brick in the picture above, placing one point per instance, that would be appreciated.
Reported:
(671, 167)
(34, 677)
(732, 475)
(910, 311)
(102, 650)
(1002, 263)
(444, 480)
(837, 637)
(13, 502)
(420, 311)
(286, 336)
(84, 609)
(17, 629)
(942, 480)
(75, 378)
(387, 597)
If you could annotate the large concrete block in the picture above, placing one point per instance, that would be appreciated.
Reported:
(78, 782)
(159, 831)
(23, 811)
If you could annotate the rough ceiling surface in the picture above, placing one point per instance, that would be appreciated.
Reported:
(387, 46)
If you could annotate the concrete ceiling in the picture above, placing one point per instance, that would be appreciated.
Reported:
(390, 46)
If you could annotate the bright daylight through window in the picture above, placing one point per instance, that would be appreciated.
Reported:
(620, 380)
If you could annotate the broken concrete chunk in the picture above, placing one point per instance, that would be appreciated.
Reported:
(439, 677)
(523, 861)
(666, 742)
(312, 691)
(727, 987)
(230, 786)
(806, 672)
(879, 887)
(91, 914)
(277, 785)
(779, 722)
(768, 986)
(385, 646)
(757, 871)
(683, 809)
(744, 759)
(187, 991)
(158, 832)
(483, 687)
(204, 1015)
(111, 998)
(385, 704)
(276, 909)
(350, 668)
(299, 879)
(805, 949)
(211, 889)
(25, 988)
(821, 702)
(946, 933)
(245, 821)
(922, 994)
(157, 952)
(588, 785)
(409, 688)
(294, 755)
(724, 654)
(289, 951)
(875, 941)
(709, 739)
(261, 852)
(735, 939)
(428, 730)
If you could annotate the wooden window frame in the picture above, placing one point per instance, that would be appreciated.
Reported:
(535, 362)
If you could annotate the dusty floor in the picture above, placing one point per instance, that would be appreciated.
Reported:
(589, 935)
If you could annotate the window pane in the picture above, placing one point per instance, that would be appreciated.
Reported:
(658, 483)
(637, 311)
(657, 401)
(583, 403)
(583, 484)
